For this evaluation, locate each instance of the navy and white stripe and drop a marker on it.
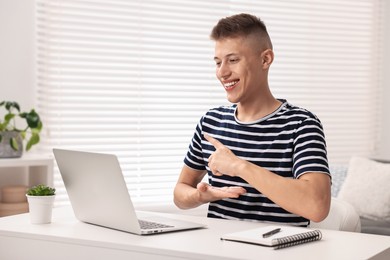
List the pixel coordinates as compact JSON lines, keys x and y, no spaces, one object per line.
{"x":289,"y":142}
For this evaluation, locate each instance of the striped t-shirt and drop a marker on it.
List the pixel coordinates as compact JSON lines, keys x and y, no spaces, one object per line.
{"x":289,"y":142}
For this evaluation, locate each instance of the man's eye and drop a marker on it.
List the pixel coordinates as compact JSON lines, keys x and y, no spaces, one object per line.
{"x":233,"y":60}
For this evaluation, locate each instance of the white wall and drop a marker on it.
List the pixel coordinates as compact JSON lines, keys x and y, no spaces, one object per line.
{"x":17,"y":52}
{"x":384,"y":148}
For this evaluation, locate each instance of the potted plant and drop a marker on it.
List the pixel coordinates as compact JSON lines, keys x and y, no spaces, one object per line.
{"x":40,"y":202}
{"x":12,"y":136}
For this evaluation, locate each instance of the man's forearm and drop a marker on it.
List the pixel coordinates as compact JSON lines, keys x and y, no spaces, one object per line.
{"x":186,"y":197}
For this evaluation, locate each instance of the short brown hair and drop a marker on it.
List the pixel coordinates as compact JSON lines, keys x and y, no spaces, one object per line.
{"x":241,"y":25}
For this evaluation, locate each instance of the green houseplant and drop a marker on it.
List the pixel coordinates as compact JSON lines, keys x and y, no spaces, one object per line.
{"x":40,"y":203}
{"x":41,"y":190}
{"x":12,"y":135}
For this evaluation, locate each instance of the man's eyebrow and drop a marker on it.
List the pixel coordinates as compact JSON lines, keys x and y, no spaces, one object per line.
{"x":227,"y":56}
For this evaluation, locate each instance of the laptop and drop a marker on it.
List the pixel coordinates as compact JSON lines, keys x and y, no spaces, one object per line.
{"x":98,"y":194}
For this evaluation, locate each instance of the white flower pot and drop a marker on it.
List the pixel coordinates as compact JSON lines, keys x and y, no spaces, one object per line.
{"x":40,"y":208}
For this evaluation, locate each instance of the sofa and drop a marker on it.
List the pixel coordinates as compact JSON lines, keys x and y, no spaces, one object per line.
{"x":365,"y":184}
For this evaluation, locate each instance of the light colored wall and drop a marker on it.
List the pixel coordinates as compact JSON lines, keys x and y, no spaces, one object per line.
{"x":17,"y":52}
{"x":384,"y":148}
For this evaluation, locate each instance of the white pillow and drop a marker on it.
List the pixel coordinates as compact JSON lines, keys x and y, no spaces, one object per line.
{"x":367,"y":188}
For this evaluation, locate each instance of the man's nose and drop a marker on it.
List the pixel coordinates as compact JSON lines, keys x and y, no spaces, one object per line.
{"x":223,"y":71}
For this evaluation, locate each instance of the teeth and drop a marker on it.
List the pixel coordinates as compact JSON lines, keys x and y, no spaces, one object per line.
{"x":228,"y":85}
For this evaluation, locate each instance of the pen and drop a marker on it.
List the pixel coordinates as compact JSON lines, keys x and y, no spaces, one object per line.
{"x":270,"y":233}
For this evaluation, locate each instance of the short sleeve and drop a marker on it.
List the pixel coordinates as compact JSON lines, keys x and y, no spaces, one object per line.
{"x":194,"y":158}
{"x":310,"y":148}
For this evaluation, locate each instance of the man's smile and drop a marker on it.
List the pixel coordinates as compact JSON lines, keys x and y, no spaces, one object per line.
{"x":230,"y":85}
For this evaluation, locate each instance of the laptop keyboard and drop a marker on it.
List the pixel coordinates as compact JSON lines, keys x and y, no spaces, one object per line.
{"x":152,"y":225}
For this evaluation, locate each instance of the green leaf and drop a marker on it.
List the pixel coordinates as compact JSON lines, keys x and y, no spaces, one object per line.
{"x":38,"y":129}
{"x":35,"y":131}
{"x":32,"y":119}
{"x":33,"y":140}
{"x":14,"y":144}
{"x":8,"y":117}
{"x":40,"y":125}
{"x":9,"y":105}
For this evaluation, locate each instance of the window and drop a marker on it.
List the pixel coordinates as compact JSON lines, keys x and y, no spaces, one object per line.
{"x":133,"y":78}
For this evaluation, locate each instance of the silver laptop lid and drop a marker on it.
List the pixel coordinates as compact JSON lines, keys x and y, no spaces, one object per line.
{"x":98,"y":193}
{"x":97,"y":189}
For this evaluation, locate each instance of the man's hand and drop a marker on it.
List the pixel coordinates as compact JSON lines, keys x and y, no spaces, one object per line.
{"x":223,"y":160}
{"x":191,"y":192}
{"x":209,"y":193}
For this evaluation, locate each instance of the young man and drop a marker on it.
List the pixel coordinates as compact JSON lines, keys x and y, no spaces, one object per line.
{"x":265,"y":158}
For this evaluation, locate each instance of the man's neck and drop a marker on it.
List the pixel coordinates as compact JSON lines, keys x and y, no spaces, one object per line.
{"x":255,"y":111}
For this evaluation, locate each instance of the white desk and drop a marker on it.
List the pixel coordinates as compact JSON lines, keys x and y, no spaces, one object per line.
{"x":67,"y":238}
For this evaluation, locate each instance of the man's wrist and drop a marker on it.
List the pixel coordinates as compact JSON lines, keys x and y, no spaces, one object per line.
{"x":199,"y":198}
{"x":240,"y":167}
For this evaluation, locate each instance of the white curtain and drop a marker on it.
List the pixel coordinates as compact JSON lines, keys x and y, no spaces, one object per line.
{"x":133,"y":78}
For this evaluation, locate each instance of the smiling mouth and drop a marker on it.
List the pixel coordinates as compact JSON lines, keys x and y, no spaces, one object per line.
{"x":230,"y":85}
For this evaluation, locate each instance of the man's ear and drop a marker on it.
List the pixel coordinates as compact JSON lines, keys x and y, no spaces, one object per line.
{"x":267,"y":57}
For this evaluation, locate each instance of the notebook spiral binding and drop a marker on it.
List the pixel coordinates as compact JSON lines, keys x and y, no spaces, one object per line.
{"x":297,"y":239}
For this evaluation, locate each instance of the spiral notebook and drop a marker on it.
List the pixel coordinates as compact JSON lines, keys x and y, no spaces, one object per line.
{"x":285,"y":237}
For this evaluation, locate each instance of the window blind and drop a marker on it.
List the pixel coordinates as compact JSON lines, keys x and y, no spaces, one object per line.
{"x":133,"y":78}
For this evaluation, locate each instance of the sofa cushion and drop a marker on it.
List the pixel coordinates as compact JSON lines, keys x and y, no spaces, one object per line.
{"x":338,"y":172}
{"x":342,"y":216}
{"x":375,"y":226}
{"x":366,"y":187}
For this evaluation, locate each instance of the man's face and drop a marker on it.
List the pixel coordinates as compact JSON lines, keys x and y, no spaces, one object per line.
{"x":239,"y":68}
